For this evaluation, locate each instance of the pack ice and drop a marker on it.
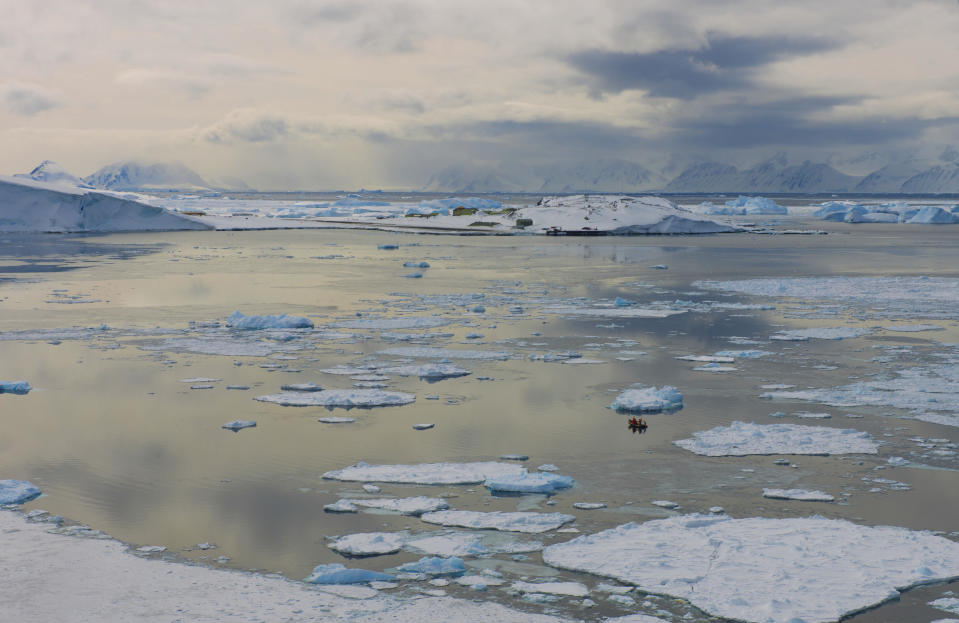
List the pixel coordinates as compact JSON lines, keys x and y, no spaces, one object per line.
{"x":762,"y":570}
{"x":28,"y":205}
{"x":237,"y":320}
{"x":746,"y":438}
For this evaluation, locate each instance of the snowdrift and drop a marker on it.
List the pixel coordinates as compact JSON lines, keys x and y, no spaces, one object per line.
{"x":32,"y":206}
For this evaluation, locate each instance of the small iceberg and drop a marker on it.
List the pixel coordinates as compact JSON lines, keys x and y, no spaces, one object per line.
{"x":641,"y":399}
{"x":414,"y":506}
{"x":15,"y":387}
{"x":336,"y":573}
{"x":527,"y":522}
{"x":432,"y":371}
{"x":536,"y":482}
{"x":798,"y":494}
{"x":368,"y":544}
{"x":238,"y":425}
{"x":301,"y":387}
{"x":434,"y":565}
{"x":237,"y":320}
{"x":17,"y":491}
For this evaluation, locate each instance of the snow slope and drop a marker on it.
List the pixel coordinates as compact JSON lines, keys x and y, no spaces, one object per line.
{"x":136,"y":176}
{"x":50,"y":171}
{"x":27,"y":205}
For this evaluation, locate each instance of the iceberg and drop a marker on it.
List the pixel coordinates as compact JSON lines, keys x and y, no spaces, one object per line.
{"x":536,"y":482}
{"x":744,"y":439}
{"x":17,"y":491}
{"x":426,"y":473}
{"x":527,"y":522}
{"x":238,"y":425}
{"x":368,"y":544}
{"x":346,"y":398}
{"x":15,"y":387}
{"x":435,"y":565}
{"x":336,"y":573}
{"x":27,"y":205}
{"x":239,"y":321}
{"x":762,"y":570}
{"x":649,"y":400}
{"x":932,"y":215}
{"x":802,"y":495}
{"x":754,"y":205}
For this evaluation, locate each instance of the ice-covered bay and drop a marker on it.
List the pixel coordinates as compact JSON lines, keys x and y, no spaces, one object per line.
{"x":761,"y":570}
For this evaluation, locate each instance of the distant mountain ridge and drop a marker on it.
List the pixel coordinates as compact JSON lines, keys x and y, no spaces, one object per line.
{"x":136,"y":176}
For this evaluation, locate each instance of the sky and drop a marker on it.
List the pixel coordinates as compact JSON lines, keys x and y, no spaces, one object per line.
{"x":297,"y":94}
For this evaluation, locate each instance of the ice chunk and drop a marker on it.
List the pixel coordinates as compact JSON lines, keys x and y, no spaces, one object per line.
{"x":567,"y":589}
{"x":426,"y":473}
{"x":754,"y":205}
{"x":764,"y":570}
{"x":14,"y":387}
{"x":743,"y":439}
{"x":404,"y":506}
{"x":237,"y":425}
{"x":434,"y":565}
{"x":451,"y":544}
{"x":589,"y":506}
{"x":336,"y":420}
{"x":368,"y":544}
{"x":239,"y":321}
{"x":949,"y":604}
{"x":416,"y":264}
{"x":432,"y":371}
{"x":151,"y":549}
{"x":820,"y":333}
{"x":527,"y":522}
{"x":17,"y":491}
{"x":707,"y":358}
{"x":536,"y":482}
{"x":514,"y":457}
{"x":664,"y":504}
{"x":933,"y":215}
{"x":339,"y":398}
{"x":649,"y":399}
{"x":341,"y":506}
{"x":798,"y":494}
{"x":336,"y":573}
{"x":301,"y":387}
{"x":743,"y":354}
{"x":425,"y":352}
{"x":424,"y":426}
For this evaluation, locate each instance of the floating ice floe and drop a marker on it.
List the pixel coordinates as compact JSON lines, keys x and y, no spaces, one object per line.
{"x":913,"y":328}
{"x":434,"y":371}
{"x":423,"y":426}
{"x":368,"y":544}
{"x":615,"y":312}
{"x":589,"y":506}
{"x":707,"y":358}
{"x":514,"y":457}
{"x":219,"y":345}
{"x":819,"y":333}
{"x":336,"y":573}
{"x":237,"y":320}
{"x":435,"y":565}
{"x":531,"y":523}
{"x":565,"y":589}
{"x":339,"y":398}
{"x":764,"y":570}
{"x":426,"y":473}
{"x":404,"y":506}
{"x":743,"y":439}
{"x":301,"y":387}
{"x":15,"y":387}
{"x":425,"y":352}
{"x":336,"y":420}
{"x":536,"y":482}
{"x":17,"y":491}
{"x":715,"y":367}
{"x":665,"y":504}
{"x":742,"y":354}
{"x":948,"y":604}
{"x":389,"y":324}
{"x":450,"y":544}
{"x":238,"y":425}
{"x":641,"y":399}
{"x":802,"y":495}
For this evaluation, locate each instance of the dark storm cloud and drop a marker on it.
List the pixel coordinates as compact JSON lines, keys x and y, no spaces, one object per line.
{"x":724,"y":63}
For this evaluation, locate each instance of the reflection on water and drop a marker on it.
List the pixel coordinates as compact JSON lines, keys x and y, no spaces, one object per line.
{"x":117,"y":440}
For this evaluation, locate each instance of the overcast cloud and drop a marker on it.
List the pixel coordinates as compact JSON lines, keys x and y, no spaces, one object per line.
{"x":313,"y":94}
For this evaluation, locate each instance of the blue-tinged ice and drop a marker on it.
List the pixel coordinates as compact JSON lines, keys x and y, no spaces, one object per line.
{"x":933,"y":215}
{"x":239,"y":321}
{"x":434,"y":565}
{"x":14,"y":387}
{"x":238,"y":425}
{"x":649,"y":399}
{"x":17,"y":491}
{"x":754,"y":205}
{"x":536,"y":482}
{"x":336,"y":573}
{"x":416,"y":264}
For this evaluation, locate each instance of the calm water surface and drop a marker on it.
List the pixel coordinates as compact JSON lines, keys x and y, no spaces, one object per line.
{"x":118,"y":442}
